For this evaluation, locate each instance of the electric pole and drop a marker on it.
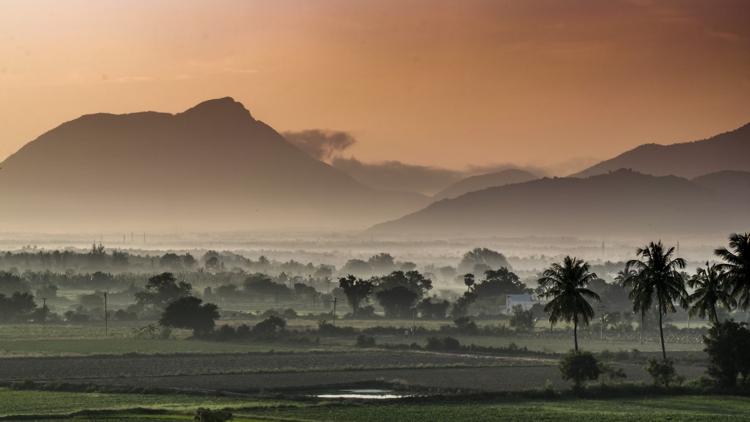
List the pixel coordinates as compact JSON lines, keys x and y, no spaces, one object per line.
{"x":106,"y":315}
{"x":334,"y":309}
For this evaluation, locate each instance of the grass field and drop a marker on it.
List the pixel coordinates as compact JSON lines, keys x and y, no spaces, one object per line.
{"x":111,"y":407}
{"x":686,"y":408}
{"x":85,"y":339}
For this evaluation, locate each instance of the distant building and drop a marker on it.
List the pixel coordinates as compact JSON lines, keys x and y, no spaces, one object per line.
{"x":524,"y":301}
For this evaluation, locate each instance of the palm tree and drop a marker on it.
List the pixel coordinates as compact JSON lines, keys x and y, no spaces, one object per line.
{"x":710,"y":290}
{"x":566,"y":285}
{"x":469,"y":281}
{"x":640,"y":294}
{"x":657,"y":274}
{"x":737,"y":267}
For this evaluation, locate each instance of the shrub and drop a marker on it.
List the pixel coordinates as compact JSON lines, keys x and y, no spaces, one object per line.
{"x":270,"y":327}
{"x":728,"y":348}
{"x":662,"y":371}
{"x":443,"y":343}
{"x":208,"y":415}
{"x":466,"y":325}
{"x":365,"y":341}
{"x":579,"y":367}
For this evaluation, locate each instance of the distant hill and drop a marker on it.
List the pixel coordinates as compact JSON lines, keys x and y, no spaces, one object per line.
{"x":213,"y":166}
{"x":484,"y":181}
{"x":731,"y":185}
{"x":621,"y":203}
{"x":727,"y":151}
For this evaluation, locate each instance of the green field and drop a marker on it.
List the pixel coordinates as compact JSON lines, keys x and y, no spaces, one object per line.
{"x":40,"y":405}
{"x":82,"y":339}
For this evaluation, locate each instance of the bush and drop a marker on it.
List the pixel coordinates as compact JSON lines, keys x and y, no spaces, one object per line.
{"x":579,"y":367}
{"x":662,"y":371}
{"x":208,"y":415}
{"x":365,"y":341}
{"x":443,"y":343}
{"x":728,"y":348}
{"x":466,"y":325}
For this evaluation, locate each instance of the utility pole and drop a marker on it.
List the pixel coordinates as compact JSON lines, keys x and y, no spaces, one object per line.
{"x":334,"y":309}
{"x":44,"y":312}
{"x":106,"y":315}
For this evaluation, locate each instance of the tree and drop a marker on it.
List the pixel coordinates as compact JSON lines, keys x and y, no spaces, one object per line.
{"x":381,"y":263}
{"x":433,"y":308}
{"x":479,"y":260}
{"x":469,"y":281}
{"x":163,"y":289}
{"x":356,"y":290}
{"x":566,"y":285}
{"x":269,"y":327}
{"x":641,"y":294}
{"x":498,"y":283}
{"x":191,"y":313}
{"x":397,"y":301}
{"x":398,"y":292}
{"x":709,"y":291}
{"x":727,"y":344}
{"x":16,"y":307}
{"x":737,"y":267}
{"x":522,"y":320}
{"x":658,"y":274}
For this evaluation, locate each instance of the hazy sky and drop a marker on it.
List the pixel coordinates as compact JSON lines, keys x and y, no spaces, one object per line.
{"x":449,"y":83}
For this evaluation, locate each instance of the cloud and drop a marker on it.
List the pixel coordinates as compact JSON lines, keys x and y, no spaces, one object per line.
{"x":321,"y":144}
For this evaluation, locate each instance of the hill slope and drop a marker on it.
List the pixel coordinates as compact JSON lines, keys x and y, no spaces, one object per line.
{"x":211,"y":167}
{"x":484,"y":181}
{"x":623,"y":203}
{"x":727,"y":151}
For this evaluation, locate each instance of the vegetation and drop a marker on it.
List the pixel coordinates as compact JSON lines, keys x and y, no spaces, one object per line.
{"x":566,"y":285}
{"x":657,"y":274}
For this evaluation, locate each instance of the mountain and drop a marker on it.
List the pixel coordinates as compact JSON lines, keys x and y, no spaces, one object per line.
{"x":621,"y":203}
{"x":731,"y":185}
{"x":213,"y":166}
{"x":484,"y":181}
{"x":727,"y":151}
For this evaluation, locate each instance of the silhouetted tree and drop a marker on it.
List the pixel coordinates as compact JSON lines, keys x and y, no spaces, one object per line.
{"x":737,"y":267}
{"x":190,"y":313}
{"x":163,"y":289}
{"x":478,"y":260}
{"x":356,"y":290}
{"x":566,"y":285}
{"x":709,"y":291}
{"x":657,"y":273}
{"x":727,"y":345}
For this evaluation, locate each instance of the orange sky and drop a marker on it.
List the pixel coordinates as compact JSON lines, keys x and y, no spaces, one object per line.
{"x":432,"y":82}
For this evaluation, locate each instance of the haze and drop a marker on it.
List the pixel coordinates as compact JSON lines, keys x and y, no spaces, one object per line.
{"x":436,"y":83}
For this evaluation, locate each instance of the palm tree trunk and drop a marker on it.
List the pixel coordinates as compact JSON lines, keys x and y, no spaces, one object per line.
{"x":575,"y":334}
{"x":643,"y":320}
{"x":661,"y":333}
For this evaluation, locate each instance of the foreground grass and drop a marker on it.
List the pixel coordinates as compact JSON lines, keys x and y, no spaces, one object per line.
{"x":40,"y":405}
{"x":682,"y":408}
{"x":23,"y":402}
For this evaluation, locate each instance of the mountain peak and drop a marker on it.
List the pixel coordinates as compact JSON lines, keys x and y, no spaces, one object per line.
{"x":225,"y":108}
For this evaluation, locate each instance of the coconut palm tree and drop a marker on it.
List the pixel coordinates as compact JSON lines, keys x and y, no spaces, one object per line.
{"x":710,"y":291}
{"x":657,"y":274}
{"x":566,"y":284}
{"x":737,"y":267}
{"x":640,"y":294}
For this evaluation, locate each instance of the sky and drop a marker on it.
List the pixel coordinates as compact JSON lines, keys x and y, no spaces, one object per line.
{"x":435,"y":83}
